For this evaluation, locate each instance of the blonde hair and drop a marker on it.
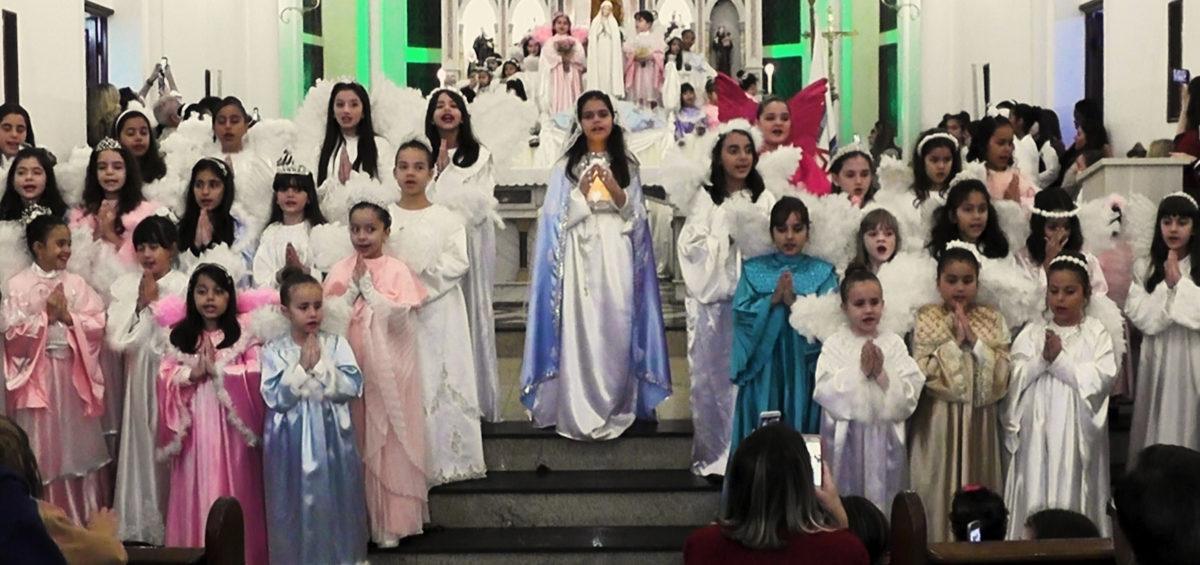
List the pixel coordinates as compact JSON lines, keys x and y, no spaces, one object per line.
{"x":103,"y":107}
{"x":1160,"y":148}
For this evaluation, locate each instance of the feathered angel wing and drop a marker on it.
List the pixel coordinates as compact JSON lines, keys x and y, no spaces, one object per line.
{"x":16,"y":258}
{"x":684,"y":169}
{"x":1138,"y":225}
{"x":817,"y":317}
{"x":733,"y":102}
{"x":191,"y":141}
{"x":330,"y":243}
{"x":1007,"y":287}
{"x":909,"y":282}
{"x":748,"y":227}
{"x":1099,"y":222}
{"x":398,"y":112}
{"x":337,"y":198}
{"x":807,"y":109}
{"x":1013,"y":222}
{"x":1110,"y":315}
{"x":502,"y":123}
{"x":777,"y":168}
{"x":269,"y":138}
{"x":310,"y":120}
{"x":71,"y":175}
{"x":834,"y":227}
{"x":894,"y":176}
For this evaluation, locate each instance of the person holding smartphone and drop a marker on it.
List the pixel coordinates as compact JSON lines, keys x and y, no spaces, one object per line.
{"x":775,"y":514}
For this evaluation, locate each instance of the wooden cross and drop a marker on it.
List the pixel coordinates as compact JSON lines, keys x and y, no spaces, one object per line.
{"x":830,"y":36}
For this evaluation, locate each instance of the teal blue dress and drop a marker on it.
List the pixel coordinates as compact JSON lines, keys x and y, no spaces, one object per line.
{"x":773,"y":365}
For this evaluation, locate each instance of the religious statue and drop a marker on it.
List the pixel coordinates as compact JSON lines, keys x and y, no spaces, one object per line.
{"x":616,"y":8}
{"x":604,"y":56}
{"x":483,"y":46}
{"x":723,"y":50}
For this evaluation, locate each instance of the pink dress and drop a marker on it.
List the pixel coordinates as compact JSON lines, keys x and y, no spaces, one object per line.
{"x":562,"y":81}
{"x":211,"y":432}
{"x":389,"y":419}
{"x":644,"y":79}
{"x":56,"y":388}
{"x":104,"y":268}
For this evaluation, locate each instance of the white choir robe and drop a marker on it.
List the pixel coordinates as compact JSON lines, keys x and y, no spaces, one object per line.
{"x":385,"y":160}
{"x":433,"y":243}
{"x":141,"y":494}
{"x":710,"y":259}
{"x":271,"y":255}
{"x":862,"y":423}
{"x":471,"y":192}
{"x":1166,"y":406}
{"x":1056,"y":424}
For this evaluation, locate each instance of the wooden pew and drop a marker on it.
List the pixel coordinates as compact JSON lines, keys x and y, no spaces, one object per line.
{"x":224,"y":541}
{"x":910,"y":545}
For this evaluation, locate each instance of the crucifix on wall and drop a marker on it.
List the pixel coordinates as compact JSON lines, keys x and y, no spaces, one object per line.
{"x":830,"y":35}
{"x":617,"y":12}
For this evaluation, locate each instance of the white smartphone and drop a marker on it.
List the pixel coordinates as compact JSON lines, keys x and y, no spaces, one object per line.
{"x":813,"y":443}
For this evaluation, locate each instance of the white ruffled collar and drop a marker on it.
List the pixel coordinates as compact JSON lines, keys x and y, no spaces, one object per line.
{"x":44,"y":274}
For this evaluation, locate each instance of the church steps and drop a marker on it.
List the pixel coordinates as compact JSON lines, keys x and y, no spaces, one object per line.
{"x":517,"y":446}
{"x":565,"y":545}
{"x":576,"y":498}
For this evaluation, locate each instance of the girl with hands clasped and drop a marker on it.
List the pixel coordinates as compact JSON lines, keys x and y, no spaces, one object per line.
{"x":867,"y":386}
{"x":54,"y":329}
{"x":772,"y":364}
{"x":389,"y":420}
{"x":1057,"y":408}
{"x":210,"y":410}
{"x":962,"y":348}
{"x":1162,"y":304}
{"x":141,"y":480}
{"x":313,"y":474}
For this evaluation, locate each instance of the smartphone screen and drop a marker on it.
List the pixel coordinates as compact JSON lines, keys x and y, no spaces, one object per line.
{"x":813,"y":443}
{"x":1181,"y":76}
{"x":768,"y":417}
{"x":974,"y":531}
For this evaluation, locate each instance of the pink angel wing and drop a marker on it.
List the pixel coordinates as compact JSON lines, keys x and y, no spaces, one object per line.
{"x":732,"y":101}
{"x":807,"y":108}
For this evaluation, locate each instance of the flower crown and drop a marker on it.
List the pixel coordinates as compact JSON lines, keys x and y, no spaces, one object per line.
{"x":1182,"y":194}
{"x":107,"y":144}
{"x":287,"y":165}
{"x":960,"y":244}
{"x":937,"y":135}
{"x":1056,"y":214}
{"x":1069,"y":259}
{"x":33,"y":212}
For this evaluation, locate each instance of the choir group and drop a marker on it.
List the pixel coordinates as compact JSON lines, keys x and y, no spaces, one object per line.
{"x":316,"y":337}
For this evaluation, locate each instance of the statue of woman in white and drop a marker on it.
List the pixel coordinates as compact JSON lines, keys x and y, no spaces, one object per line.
{"x":604,"y":57}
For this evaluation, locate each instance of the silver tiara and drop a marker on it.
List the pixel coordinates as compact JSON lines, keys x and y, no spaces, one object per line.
{"x":937,"y":135}
{"x":287,"y":165}
{"x":960,"y":244}
{"x":1069,"y":259}
{"x":856,"y":146}
{"x":33,"y":212}
{"x":1182,"y":194}
{"x":107,"y":144}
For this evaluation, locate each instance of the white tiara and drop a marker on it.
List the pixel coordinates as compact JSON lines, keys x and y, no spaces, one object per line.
{"x":856,"y":146}
{"x":937,"y":135}
{"x":1182,"y":194}
{"x":1056,"y":214}
{"x":33,"y":212}
{"x":960,"y":244}
{"x":107,"y":144}
{"x":287,"y":165}
{"x":1069,"y":259}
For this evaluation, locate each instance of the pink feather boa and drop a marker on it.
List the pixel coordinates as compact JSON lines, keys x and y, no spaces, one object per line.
{"x":170,"y":310}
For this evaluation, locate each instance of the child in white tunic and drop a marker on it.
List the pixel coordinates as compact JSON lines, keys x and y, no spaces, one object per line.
{"x":432,"y":241}
{"x":1056,"y":432}
{"x":295,"y":210}
{"x":867,"y":385}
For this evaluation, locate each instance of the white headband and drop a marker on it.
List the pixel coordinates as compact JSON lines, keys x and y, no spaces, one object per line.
{"x":1069,"y":259}
{"x":937,"y":135}
{"x":1182,"y":194}
{"x":960,"y":244}
{"x":1056,"y":214}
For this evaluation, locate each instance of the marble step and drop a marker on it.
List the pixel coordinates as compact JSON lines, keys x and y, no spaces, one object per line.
{"x":576,"y":498}
{"x":521,"y":546}
{"x":518,"y":446}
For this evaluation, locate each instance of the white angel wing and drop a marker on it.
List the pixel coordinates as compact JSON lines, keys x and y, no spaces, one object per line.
{"x":894,"y":176}
{"x":1007,"y":287}
{"x":330,"y":243}
{"x":1100,"y":225}
{"x":748,"y":227}
{"x":397,"y":112}
{"x":1110,"y":315}
{"x":909,"y":282}
{"x":777,"y":167}
{"x":269,"y":138}
{"x":684,"y":171}
{"x":1138,"y":225}
{"x":834,"y":227}
{"x":337,"y":199}
{"x":502,"y":123}
{"x":310,"y":119}
{"x":1013,"y":221}
{"x":817,"y":317}
{"x":72,"y":174}
{"x":16,"y":258}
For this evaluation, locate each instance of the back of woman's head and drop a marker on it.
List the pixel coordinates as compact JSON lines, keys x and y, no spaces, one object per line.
{"x":1157,"y":506}
{"x":869,"y":525}
{"x":771,"y":492}
{"x":1054,"y":523}
{"x":17,"y":455}
{"x":975,"y":503}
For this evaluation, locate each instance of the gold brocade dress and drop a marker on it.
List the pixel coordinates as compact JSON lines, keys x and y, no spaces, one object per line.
{"x":955,"y":435}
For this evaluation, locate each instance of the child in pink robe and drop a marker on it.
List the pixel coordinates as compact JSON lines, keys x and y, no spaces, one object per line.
{"x":389,"y":420}
{"x":210,"y":412}
{"x":54,"y":326}
{"x":644,"y":63}
{"x":562,"y":64}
